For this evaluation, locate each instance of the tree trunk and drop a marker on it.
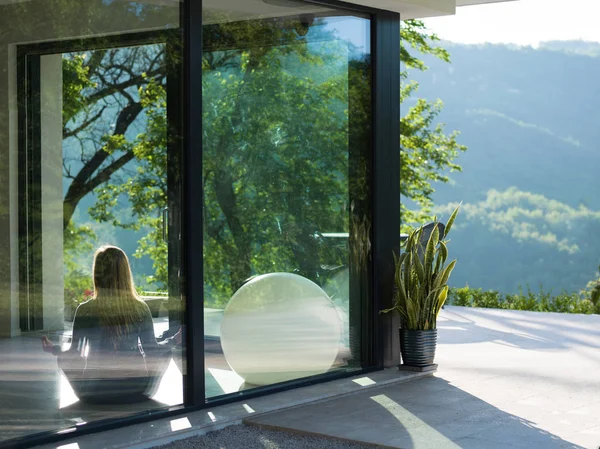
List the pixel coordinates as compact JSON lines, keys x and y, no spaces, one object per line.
{"x":240,"y":267}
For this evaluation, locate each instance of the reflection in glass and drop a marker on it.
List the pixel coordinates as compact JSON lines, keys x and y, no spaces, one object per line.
{"x":286,"y":101}
{"x":114,"y":356}
{"x":83,"y":163}
{"x":278,"y":327}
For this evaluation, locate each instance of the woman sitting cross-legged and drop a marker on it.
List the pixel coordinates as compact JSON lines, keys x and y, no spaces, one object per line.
{"x":114,"y":356}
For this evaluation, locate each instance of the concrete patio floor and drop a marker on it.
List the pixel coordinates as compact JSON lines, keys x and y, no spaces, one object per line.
{"x":506,"y":379}
{"x":187,"y":428}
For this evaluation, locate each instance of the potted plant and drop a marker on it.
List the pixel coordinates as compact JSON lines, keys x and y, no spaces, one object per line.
{"x":420,"y":291}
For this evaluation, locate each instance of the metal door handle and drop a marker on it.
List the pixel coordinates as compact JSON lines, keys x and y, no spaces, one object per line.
{"x":165,"y":215}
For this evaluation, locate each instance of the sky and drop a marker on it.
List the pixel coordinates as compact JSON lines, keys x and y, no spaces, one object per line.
{"x":522,"y":22}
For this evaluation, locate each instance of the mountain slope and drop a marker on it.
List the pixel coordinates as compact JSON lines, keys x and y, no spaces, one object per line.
{"x":531,"y":121}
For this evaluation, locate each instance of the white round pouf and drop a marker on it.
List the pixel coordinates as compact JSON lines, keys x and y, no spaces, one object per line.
{"x":279,"y":327}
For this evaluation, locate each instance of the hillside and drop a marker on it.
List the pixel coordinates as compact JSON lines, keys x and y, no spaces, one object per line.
{"x":531,"y":121}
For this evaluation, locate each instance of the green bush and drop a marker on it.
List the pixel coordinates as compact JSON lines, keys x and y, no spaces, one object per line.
{"x":537,"y":302}
{"x":78,"y":289}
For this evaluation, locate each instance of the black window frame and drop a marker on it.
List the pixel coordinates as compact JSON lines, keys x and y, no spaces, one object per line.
{"x":29,"y":151}
{"x":378,"y":331}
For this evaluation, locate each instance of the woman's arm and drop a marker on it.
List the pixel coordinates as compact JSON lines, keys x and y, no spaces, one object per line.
{"x":147,"y":336}
{"x":47,"y":345}
{"x":81,"y":321}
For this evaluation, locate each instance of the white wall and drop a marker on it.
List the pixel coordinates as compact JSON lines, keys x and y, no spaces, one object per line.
{"x":52,"y":195}
{"x":6,"y":256}
{"x":13,"y":192}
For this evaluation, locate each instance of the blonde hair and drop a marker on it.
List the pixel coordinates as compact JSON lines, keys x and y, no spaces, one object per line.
{"x":114,"y":292}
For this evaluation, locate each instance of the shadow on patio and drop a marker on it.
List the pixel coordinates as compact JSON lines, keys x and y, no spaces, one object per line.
{"x":506,"y":379}
{"x":423,"y":414}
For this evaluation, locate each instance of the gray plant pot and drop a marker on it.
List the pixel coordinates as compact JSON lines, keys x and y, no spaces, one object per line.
{"x":418,"y":347}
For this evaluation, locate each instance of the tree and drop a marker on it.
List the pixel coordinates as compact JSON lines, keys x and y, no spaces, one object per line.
{"x":113,"y":114}
{"x":276,"y":136}
{"x":427,"y":153}
{"x":540,"y":243}
{"x":89,"y":85}
{"x":275,"y":147}
{"x":106,"y":85}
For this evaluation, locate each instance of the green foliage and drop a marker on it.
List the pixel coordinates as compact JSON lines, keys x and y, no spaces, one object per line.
{"x":76,"y":78}
{"x":414,"y":34}
{"x":78,"y":288}
{"x":537,"y":302}
{"x":427,"y":153}
{"x":535,"y":239}
{"x":421,"y":279}
{"x":275,"y":148}
{"x":526,"y":216}
{"x":77,"y":241}
{"x":592,"y":292}
{"x":109,"y":96}
{"x":275,"y":137}
{"x":275,"y":157}
{"x":145,"y":190}
{"x":361,"y":239}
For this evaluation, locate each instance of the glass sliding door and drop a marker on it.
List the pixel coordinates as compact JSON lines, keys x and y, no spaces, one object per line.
{"x":90,"y":303}
{"x":286,"y":173}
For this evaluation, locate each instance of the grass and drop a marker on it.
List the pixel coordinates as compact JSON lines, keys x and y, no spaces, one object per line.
{"x":537,"y":302}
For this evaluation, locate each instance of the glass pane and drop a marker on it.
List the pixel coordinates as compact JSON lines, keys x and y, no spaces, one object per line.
{"x":286,"y":136}
{"x":89,"y":230}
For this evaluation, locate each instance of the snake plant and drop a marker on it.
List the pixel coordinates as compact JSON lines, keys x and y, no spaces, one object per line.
{"x":421,"y":278}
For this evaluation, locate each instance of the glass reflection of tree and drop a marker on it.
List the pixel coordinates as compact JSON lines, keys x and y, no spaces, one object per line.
{"x":276,"y":151}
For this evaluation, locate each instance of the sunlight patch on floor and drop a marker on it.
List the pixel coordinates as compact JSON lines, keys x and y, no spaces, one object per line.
{"x":170,"y":391}
{"x":180,"y":424}
{"x":413,"y":424}
{"x":228,"y":380}
{"x":67,"y":395}
{"x":364,"y":381}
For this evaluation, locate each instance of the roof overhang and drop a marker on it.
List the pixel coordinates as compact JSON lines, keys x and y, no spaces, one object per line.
{"x":417,"y":9}
{"x":231,"y":10}
{"x":408,"y":9}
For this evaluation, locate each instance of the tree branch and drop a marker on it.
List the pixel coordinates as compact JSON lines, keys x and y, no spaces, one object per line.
{"x":120,"y":87}
{"x":83,"y":183}
{"x":71,"y":132}
{"x":105,"y":174}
